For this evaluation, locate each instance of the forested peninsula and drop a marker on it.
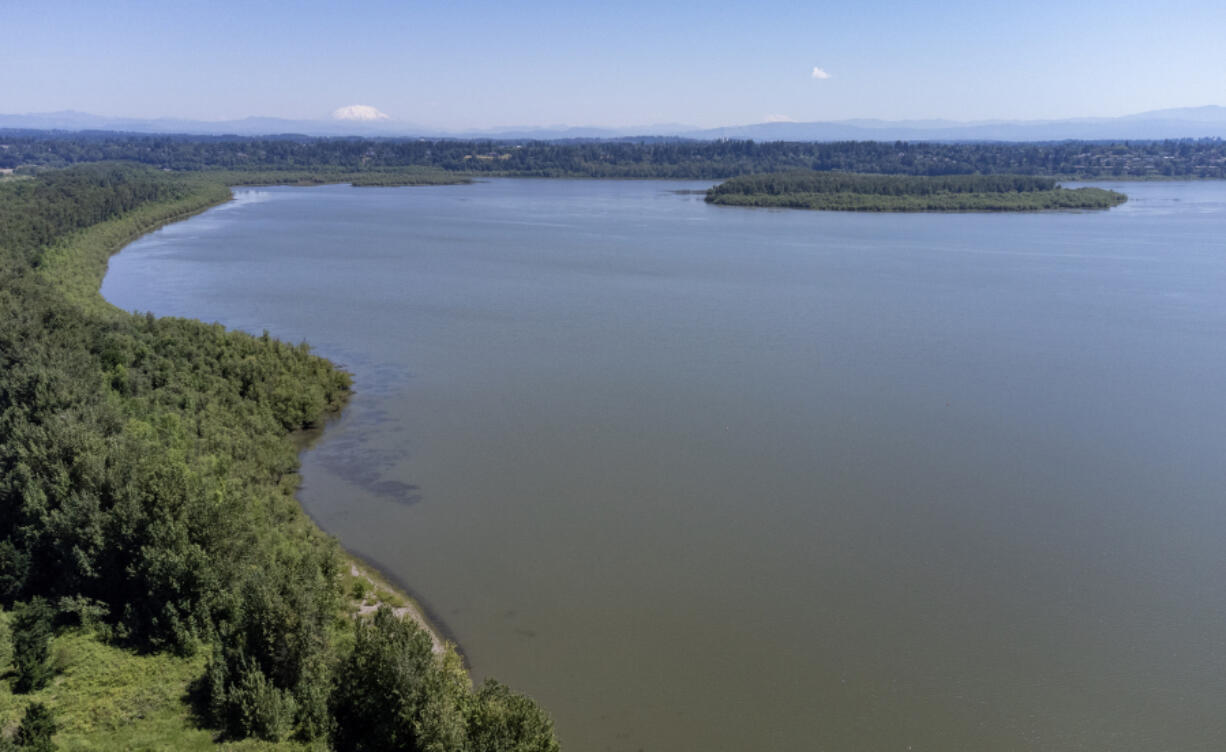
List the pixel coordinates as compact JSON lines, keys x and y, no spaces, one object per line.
{"x":838,"y":191}
{"x":161,"y":587}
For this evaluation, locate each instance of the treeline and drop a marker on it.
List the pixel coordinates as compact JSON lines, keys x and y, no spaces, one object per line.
{"x":808,"y":181}
{"x":807,"y":189}
{"x":1203,"y":158}
{"x":146,"y":494}
{"x":385,"y":177}
{"x":70,"y":201}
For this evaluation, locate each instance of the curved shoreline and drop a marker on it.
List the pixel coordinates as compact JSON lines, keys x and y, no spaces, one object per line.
{"x":151,"y":220}
{"x":379,"y":576}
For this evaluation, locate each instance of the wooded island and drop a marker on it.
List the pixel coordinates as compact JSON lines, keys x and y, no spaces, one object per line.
{"x":840,"y":191}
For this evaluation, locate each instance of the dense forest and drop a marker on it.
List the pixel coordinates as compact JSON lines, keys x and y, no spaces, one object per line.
{"x":807,"y":189}
{"x":1204,"y":158}
{"x":147,"y":509}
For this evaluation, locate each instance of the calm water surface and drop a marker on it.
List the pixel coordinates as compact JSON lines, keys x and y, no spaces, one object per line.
{"x":703,"y":478}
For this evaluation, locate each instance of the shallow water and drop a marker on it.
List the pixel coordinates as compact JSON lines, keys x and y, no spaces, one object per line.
{"x":703,"y":478}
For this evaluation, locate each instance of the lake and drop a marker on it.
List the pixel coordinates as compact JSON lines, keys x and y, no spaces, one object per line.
{"x":706,"y":478}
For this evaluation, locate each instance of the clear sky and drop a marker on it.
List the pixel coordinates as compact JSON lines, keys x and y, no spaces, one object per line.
{"x":461,"y":65}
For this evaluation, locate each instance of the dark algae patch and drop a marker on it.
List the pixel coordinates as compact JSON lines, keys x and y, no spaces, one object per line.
{"x":837,"y":191}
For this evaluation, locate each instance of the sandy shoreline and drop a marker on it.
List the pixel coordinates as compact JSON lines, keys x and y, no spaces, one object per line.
{"x":383,"y":592}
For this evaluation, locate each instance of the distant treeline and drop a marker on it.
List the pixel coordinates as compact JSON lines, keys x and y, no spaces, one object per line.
{"x":1204,"y":158}
{"x":147,"y":496}
{"x":386,"y":177}
{"x":806,"y":189}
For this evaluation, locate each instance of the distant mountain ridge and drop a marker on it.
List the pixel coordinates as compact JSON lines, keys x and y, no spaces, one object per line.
{"x":1183,"y":122}
{"x":71,"y":120}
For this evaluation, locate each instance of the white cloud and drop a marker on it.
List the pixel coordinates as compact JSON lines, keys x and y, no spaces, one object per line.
{"x":779,"y":119}
{"x":359,"y":112}
{"x":819,"y":74}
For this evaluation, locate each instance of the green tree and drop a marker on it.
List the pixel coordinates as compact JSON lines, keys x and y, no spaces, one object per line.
{"x":505,"y":721}
{"x":386,"y":693}
{"x":263,"y":711}
{"x":31,"y":634}
{"x":36,"y":729}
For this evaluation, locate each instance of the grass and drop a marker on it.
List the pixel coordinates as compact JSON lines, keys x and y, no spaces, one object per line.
{"x":109,"y":698}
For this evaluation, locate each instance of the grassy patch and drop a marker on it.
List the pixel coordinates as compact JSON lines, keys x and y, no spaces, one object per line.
{"x":110,"y":698}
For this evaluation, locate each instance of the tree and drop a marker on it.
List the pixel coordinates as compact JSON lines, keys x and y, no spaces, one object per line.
{"x":36,"y":729}
{"x":264,"y":711}
{"x":505,"y":721}
{"x":387,"y":695}
{"x":31,"y":633}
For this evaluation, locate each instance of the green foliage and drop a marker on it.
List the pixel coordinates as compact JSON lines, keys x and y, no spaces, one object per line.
{"x":504,"y":721}
{"x":806,"y":189}
{"x":386,"y":177}
{"x":36,"y":729}
{"x":146,"y":488}
{"x":262,"y":710}
{"x":111,"y":698}
{"x":145,"y":472}
{"x":76,"y":261}
{"x":275,"y":661}
{"x":381,"y":695}
{"x":300,"y":159}
{"x":31,"y":630}
{"x":809,"y":181}
{"x":394,"y":693}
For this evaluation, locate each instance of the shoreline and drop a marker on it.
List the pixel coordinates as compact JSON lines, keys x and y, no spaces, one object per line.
{"x":394,"y":592}
{"x":440,"y":637}
{"x":404,"y":601}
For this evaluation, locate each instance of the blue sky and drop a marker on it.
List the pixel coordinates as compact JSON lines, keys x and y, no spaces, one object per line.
{"x":486,"y":64}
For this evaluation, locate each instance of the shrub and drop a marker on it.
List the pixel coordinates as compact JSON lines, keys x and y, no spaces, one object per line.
{"x":505,"y":721}
{"x":260,"y":709}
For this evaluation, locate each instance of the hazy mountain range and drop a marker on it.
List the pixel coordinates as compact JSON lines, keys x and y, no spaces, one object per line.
{"x":1184,"y":122}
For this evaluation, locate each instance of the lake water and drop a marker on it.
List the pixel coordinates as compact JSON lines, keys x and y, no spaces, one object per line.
{"x":705,"y":478}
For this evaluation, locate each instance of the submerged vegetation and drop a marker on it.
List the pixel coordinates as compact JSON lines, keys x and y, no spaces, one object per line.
{"x":163,"y":588}
{"x":806,"y":189}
